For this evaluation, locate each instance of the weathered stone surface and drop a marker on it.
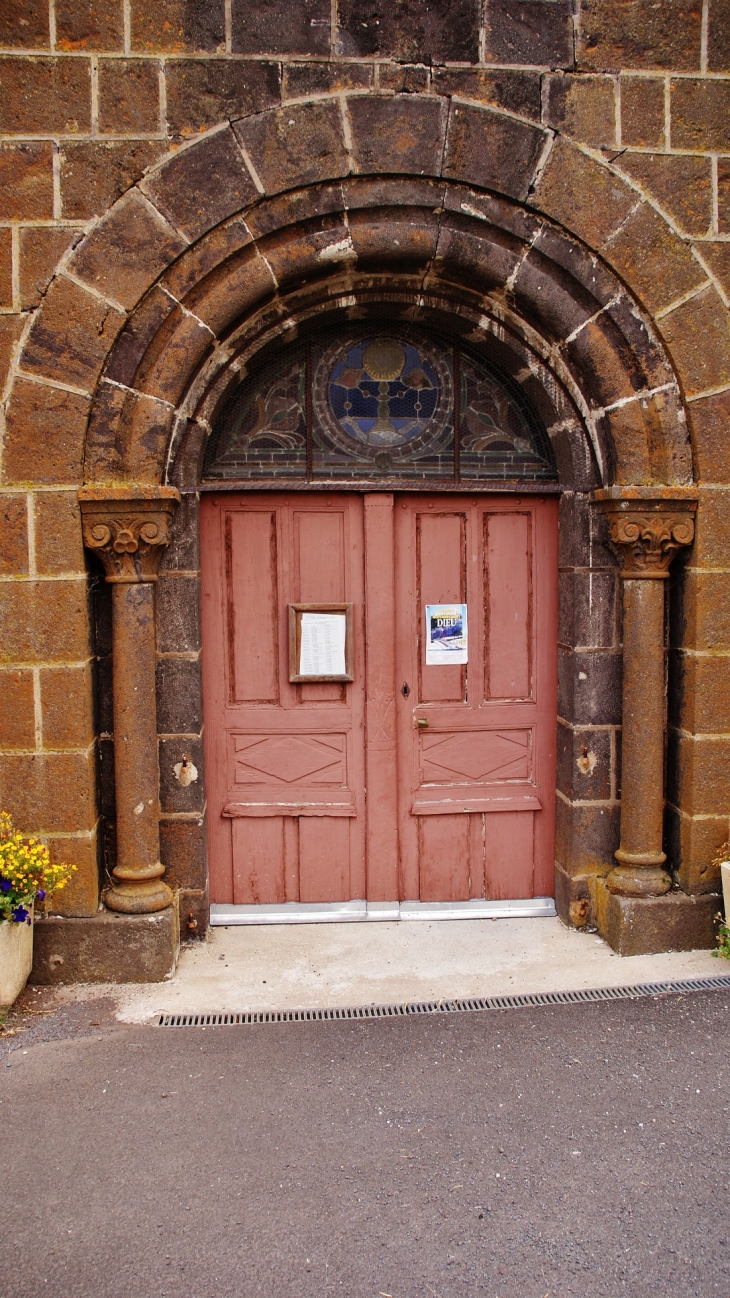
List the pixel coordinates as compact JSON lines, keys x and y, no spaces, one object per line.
{"x":129,"y":96}
{"x":718,"y":38}
{"x":297,"y":145}
{"x":24,"y":25}
{"x":700,"y":110}
{"x":701,"y":701}
{"x":13,"y":535}
{"x":401,"y":134}
{"x":127,"y":436}
{"x":324,"y":243}
{"x":26,"y":180}
{"x":530,"y":31}
{"x":555,"y":302}
{"x":175,"y":796}
{"x":589,"y":687}
{"x":700,"y":610}
{"x":44,"y":621}
{"x":195,"y":914}
{"x":44,"y":434}
{"x":225,"y":294}
{"x":649,"y":438}
{"x":637,"y":35}
{"x":95,"y":174}
{"x":712,"y":530}
{"x":67,"y":713}
{"x":646,"y":926}
{"x":482,"y":261}
{"x":682,"y":185}
{"x":572,"y":897}
{"x":717,"y":257}
{"x":395,"y":235}
{"x":582,"y":195}
{"x":587,"y":609}
{"x":137,"y":335}
{"x":183,"y":854}
{"x":489,"y":149}
{"x":89,"y":25}
{"x":49,"y":791}
{"x":202,"y":185}
{"x":6,"y":268}
{"x":586,"y":836}
{"x":583,"y":107}
{"x":176,"y":26}
{"x":45,"y":96}
{"x":11,"y":327}
{"x":445,"y":31}
{"x":584,"y":764}
{"x":178,"y":613}
{"x":692,"y":843}
{"x":80,"y":897}
{"x":280,"y":27}
{"x":179,"y":701}
{"x":698,"y":336}
{"x":654,"y":261}
{"x":513,"y":88}
{"x":698,"y":773}
{"x":642,"y":112}
{"x":202,"y":92}
{"x":17,"y":714}
{"x":58,"y":545}
{"x":183,"y":552}
{"x":106,"y":948}
{"x":709,"y":420}
{"x":301,"y":79}
{"x":173,"y":357}
{"x":723,"y":195}
{"x":191,"y":268}
{"x":404,"y":78}
{"x":41,"y":248}
{"x":126,"y":251}
{"x":71,"y":335}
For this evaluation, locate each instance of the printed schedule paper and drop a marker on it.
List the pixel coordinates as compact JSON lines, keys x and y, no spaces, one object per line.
{"x":447,"y":638}
{"x":322,"y":650}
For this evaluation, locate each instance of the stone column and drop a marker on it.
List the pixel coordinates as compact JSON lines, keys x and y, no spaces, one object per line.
{"x":647,"y":526}
{"x":128,"y":528}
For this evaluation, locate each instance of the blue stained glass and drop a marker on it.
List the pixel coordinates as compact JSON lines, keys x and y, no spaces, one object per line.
{"x":383,"y":392}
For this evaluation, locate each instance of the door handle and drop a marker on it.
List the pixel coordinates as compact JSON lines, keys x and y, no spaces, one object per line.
{"x":422,"y":723}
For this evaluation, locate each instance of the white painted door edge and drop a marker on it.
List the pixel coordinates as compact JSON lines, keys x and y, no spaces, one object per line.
{"x":349,"y":912}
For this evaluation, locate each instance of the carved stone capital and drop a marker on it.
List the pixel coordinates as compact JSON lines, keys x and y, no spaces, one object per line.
{"x":647,"y":532}
{"x":128,"y":529}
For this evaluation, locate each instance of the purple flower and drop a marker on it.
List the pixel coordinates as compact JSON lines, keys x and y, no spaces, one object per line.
{"x":21,"y":915}
{"x":41,"y":894}
{"x":5,"y":885}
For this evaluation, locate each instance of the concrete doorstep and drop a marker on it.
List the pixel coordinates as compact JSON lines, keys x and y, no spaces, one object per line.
{"x":318,"y":966}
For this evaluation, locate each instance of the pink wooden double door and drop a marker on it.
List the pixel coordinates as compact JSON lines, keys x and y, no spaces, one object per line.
{"x":414,"y":781}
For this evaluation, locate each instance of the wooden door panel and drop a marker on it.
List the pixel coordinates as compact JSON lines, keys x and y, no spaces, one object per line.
{"x":484,"y":750}
{"x":252,"y":601}
{"x":280,"y":753}
{"x":259,"y":873}
{"x":508,"y":582}
{"x":509,"y":853}
{"x":444,"y":857}
{"x":441,"y":579}
{"x":324,"y":859}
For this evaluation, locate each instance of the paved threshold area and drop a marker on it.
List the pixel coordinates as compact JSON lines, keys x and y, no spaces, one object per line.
{"x":529,"y":1153}
{"x":324,"y":965}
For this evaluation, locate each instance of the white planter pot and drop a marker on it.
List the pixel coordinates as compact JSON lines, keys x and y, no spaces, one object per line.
{"x":725,"y":871}
{"x":16,"y":959}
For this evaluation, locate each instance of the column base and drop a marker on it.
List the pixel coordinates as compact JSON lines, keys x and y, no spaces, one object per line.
{"x":137,"y":896}
{"x":108,"y":948}
{"x":649,"y":925}
{"x":638,"y":880}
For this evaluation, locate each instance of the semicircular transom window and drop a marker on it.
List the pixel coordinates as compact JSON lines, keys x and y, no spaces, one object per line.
{"x":378,"y":404}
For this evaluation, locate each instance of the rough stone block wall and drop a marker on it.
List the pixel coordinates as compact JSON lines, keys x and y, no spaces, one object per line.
{"x":92,"y":95}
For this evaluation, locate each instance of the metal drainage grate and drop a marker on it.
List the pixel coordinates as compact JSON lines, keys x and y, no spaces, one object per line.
{"x":445,"y":1006}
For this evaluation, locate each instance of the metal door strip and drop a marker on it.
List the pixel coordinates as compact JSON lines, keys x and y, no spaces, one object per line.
{"x":349,"y":912}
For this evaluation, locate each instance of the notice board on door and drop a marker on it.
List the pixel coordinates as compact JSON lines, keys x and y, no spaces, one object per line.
{"x":320,"y":642}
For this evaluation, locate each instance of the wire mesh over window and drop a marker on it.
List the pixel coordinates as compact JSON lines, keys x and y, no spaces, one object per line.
{"x":378,"y":404}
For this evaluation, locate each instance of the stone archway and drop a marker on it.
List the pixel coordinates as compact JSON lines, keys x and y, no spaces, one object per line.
{"x":180,"y":283}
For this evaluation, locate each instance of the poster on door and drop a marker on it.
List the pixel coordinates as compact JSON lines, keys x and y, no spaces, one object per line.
{"x":447,"y":637}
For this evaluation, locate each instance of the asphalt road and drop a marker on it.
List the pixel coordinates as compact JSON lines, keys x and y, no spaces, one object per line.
{"x":563,"y":1150}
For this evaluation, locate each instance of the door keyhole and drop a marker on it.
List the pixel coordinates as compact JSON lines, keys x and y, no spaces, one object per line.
{"x":405,"y":690}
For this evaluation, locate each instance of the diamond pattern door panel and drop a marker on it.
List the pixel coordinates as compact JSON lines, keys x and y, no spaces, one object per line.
{"x":476,"y":757}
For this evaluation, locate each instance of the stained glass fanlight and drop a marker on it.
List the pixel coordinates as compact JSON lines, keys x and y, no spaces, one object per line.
{"x":379,"y":404}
